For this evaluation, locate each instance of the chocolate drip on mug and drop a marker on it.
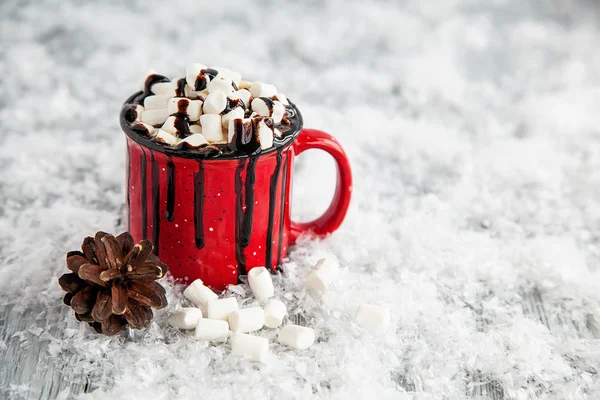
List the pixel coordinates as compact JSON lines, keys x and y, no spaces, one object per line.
{"x":128,"y":180}
{"x":239,"y":216}
{"x":143,"y":193}
{"x":272,"y":194}
{"x":170,"y":189}
{"x":282,"y":209}
{"x":155,"y":203}
{"x":199,"y":205}
{"x":247,"y":224}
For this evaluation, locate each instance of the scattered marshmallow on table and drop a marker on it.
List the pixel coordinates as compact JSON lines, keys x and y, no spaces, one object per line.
{"x":261,"y":283}
{"x":212,"y":129}
{"x":274,"y":313}
{"x":296,"y":336}
{"x":373,"y":317}
{"x":155,"y":117}
{"x":323,"y":274}
{"x":222,"y":308}
{"x":247,"y":319}
{"x":255,"y":348}
{"x":212,"y":330}
{"x":199,"y":294}
{"x":185,"y":318}
{"x":261,"y":89}
{"x":215,"y":102}
{"x":165,"y":137}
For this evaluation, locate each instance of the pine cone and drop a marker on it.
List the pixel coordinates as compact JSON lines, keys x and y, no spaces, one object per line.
{"x":112,"y":283}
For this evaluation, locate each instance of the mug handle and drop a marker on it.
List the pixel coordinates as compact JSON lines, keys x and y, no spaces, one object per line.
{"x":333,"y":217}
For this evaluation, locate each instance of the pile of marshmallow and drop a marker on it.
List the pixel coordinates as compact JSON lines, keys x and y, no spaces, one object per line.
{"x":218,"y":105}
{"x":224,"y":318}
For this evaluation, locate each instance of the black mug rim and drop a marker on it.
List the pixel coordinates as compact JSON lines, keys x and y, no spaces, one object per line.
{"x":278,"y":144}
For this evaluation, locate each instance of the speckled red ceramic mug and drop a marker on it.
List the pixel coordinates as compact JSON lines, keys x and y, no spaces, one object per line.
{"x":216,"y":218}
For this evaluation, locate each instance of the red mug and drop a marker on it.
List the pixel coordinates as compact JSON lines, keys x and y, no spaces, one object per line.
{"x":215,"y":219}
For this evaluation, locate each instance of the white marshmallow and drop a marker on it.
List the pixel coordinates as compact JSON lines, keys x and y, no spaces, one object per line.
{"x":247,"y":319}
{"x":140,"y":126}
{"x":277,"y":132}
{"x":165,"y":137}
{"x":231,"y":75}
{"x":274,"y":312}
{"x":255,"y":348}
{"x":261,"y":89}
{"x":261,"y":283}
{"x":215,"y":102}
{"x":237,"y":112}
{"x":246,"y":125}
{"x":173,"y":89}
{"x":244,"y":84}
{"x":268,"y":108}
{"x":220,"y":83}
{"x":195,"y":128}
{"x":264,"y":133}
{"x":161,"y":88}
{"x":199,"y":294}
{"x":185,"y":318}
{"x":155,"y":117}
{"x":194,"y":140}
{"x":169,"y":125}
{"x":191,"y":73}
{"x":296,"y":336}
{"x":138,"y":109}
{"x":156,"y":102}
{"x":191,"y":107}
{"x":211,"y":127}
{"x":242,"y":94}
{"x":323,"y":274}
{"x":222,"y":308}
{"x":373,"y":317}
{"x":212,"y":330}
{"x":282,"y":98}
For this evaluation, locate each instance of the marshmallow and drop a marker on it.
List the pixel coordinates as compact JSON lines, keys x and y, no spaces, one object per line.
{"x":134,"y":113}
{"x":281,"y":98}
{"x":296,"y":336}
{"x":220,"y":83}
{"x":181,"y":105}
{"x":222,"y":308}
{"x":212,"y":330}
{"x":268,"y":108}
{"x":193,"y":141}
{"x":244,"y":84}
{"x":237,"y":112}
{"x":323,"y":274}
{"x":156,"y":102}
{"x":373,"y":317}
{"x":235,"y":77}
{"x":260,"y":282}
{"x":211,"y":127}
{"x":215,"y":102}
{"x":195,"y":128}
{"x":199,"y":294}
{"x":263,"y":129}
{"x":274,"y":312}
{"x":241,"y":127}
{"x":165,"y":137}
{"x":143,"y":129}
{"x":155,"y":117}
{"x":185,"y":318}
{"x":255,"y":348}
{"x":170,"y":125}
{"x":277,"y":132}
{"x":247,"y":320}
{"x":242,"y":94}
{"x":197,"y":76}
{"x":161,"y":88}
{"x":260,"y":89}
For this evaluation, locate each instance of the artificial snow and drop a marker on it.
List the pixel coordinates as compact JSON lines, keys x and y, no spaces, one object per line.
{"x":474,"y":135}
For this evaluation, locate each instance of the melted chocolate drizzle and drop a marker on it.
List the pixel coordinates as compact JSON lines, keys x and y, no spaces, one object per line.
{"x":272,"y":193}
{"x":144,"y":193}
{"x":239,"y":216}
{"x":282,"y":209}
{"x":180,"y":90}
{"x":150,"y":80}
{"x":155,"y":203}
{"x":249,"y":194}
{"x":127,"y":179}
{"x":199,"y":205}
{"x":170,"y":189}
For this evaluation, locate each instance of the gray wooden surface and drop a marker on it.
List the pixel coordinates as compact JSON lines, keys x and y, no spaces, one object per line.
{"x":28,"y":371}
